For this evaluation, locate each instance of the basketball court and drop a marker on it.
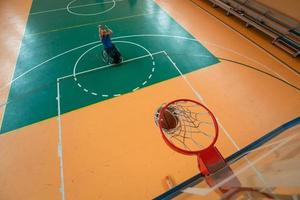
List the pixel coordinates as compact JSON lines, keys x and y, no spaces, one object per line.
{"x":75,"y":127}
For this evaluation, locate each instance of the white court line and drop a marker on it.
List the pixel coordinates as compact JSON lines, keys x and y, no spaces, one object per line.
{"x":59,"y":146}
{"x":95,"y":94}
{"x":135,"y":89}
{"x":198,"y":95}
{"x":79,"y":6}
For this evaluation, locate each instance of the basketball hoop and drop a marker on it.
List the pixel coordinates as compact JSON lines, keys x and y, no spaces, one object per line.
{"x":190,"y":128}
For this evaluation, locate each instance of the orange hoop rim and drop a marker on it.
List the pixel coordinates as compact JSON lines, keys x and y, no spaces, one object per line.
{"x":180,"y":150}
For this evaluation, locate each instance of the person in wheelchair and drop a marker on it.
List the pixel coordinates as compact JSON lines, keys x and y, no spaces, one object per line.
{"x":112,"y":52}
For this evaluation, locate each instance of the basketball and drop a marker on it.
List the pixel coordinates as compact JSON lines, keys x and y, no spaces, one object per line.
{"x":169,"y":121}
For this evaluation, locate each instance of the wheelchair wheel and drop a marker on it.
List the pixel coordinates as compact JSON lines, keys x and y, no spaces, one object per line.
{"x":106,"y":58}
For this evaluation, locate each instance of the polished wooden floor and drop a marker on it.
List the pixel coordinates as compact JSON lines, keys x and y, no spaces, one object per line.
{"x":247,"y":103}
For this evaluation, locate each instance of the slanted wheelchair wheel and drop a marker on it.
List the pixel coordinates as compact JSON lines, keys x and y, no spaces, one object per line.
{"x":106,"y":58}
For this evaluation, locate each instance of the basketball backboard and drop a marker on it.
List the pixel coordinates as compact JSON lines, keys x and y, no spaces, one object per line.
{"x":268,"y":168}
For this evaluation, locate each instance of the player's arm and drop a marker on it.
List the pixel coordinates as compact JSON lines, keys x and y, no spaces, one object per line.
{"x":101,"y":33}
{"x":109,"y":32}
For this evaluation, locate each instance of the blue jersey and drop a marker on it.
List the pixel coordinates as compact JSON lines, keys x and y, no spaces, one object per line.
{"x":106,"y":41}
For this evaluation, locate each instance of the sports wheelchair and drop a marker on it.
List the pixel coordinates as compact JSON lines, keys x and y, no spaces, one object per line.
{"x":112,"y":55}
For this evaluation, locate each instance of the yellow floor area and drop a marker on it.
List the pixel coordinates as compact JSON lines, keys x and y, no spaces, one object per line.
{"x":111,"y":160}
